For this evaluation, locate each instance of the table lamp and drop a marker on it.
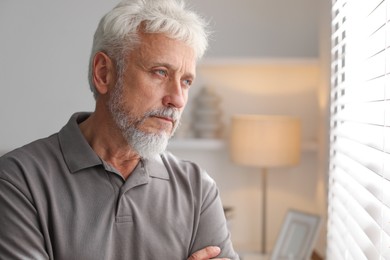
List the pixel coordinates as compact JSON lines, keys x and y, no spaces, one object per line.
{"x":265,"y":141}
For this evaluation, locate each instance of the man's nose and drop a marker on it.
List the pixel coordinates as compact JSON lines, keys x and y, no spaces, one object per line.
{"x":176,"y":95}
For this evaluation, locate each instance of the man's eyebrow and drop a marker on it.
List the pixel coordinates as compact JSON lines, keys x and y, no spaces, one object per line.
{"x":164,"y":64}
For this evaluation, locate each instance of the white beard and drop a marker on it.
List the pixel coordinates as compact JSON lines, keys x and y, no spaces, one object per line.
{"x":146,"y":145}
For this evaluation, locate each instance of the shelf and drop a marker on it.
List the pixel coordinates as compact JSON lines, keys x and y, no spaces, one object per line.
{"x":197,"y":144}
{"x":219,"y":144}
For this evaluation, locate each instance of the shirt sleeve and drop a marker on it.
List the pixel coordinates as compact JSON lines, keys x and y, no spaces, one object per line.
{"x":212,"y":229}
{"x":20,"y":237}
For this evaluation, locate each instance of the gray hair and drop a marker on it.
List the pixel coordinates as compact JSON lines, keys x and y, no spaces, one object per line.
{"x":117,"y":32}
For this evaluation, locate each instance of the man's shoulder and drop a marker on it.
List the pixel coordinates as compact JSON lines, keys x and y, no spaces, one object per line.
{"x":184,"y":166}
{"x":29,"y":156}
{"x":35,"y":147}
{"x":173,"y":159}
{"x":187,"y":169}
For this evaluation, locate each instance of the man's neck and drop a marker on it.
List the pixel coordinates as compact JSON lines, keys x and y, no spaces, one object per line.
{"x":109,"y":144}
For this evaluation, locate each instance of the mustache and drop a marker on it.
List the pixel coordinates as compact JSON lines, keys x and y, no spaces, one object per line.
{"x":168,"y":112}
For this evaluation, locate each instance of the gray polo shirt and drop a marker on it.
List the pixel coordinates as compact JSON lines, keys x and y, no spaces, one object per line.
{"x":59,"y":200}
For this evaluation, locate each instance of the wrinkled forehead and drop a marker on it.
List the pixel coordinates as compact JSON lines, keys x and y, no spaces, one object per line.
{"x":160,"y":48}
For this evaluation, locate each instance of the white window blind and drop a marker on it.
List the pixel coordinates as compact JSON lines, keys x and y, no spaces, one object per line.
{"x":359,"y":172}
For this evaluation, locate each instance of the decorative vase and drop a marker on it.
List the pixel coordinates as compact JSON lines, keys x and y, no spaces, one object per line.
{"x":206,"y":114}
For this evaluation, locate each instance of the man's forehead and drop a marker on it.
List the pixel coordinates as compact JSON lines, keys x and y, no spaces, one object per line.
{"x":159,"y":50}
{"x":161,"y":41}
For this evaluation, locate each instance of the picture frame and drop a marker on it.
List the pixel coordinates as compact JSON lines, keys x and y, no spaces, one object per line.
{"x":297,"y":236}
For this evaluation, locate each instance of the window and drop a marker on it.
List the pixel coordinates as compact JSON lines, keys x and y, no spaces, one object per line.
{"x":359,"y":177}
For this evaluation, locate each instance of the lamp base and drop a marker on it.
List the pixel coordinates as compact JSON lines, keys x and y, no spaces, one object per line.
{"x":264,"y":175}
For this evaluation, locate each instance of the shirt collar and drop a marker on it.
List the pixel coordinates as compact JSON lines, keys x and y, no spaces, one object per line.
{"x":77,"y":153}
{"x":156,"y":168}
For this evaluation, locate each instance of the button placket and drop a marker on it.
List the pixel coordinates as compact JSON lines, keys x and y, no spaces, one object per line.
{"x":138,"y":177}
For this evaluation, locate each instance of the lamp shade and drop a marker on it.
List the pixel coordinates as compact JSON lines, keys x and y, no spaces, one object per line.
{"x":265,"y":140}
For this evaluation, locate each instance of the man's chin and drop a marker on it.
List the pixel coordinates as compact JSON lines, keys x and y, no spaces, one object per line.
{"x":148,"y":145}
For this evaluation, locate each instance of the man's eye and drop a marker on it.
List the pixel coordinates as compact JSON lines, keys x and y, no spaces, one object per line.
{"x":187,"y":82}
{"x":161,"y":72}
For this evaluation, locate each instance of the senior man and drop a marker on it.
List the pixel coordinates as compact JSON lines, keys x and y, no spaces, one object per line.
{"x":103,"y":187}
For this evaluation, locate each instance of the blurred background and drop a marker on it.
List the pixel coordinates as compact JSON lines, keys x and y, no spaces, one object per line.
{"x":268,"y":57}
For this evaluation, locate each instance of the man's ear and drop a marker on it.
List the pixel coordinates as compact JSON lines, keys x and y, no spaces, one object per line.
{"x":103,"y":72}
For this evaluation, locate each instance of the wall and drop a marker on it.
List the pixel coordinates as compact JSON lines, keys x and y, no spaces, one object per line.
{"x":261,"y":28}
{"x":45,"y":49}
{"x":44,"y":54}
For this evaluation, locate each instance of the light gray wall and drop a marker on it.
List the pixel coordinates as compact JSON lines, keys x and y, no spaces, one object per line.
{"x":44,"y":52}
{"x":262,"y":28}
{"x":45,"y":47}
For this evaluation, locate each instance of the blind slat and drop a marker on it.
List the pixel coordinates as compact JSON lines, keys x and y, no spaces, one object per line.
{"x":367,"y":203}
{"x":374,"y":20}
{"x":371,"y":90}
{"x":368,"y":112}
{"x":365,"y":134}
